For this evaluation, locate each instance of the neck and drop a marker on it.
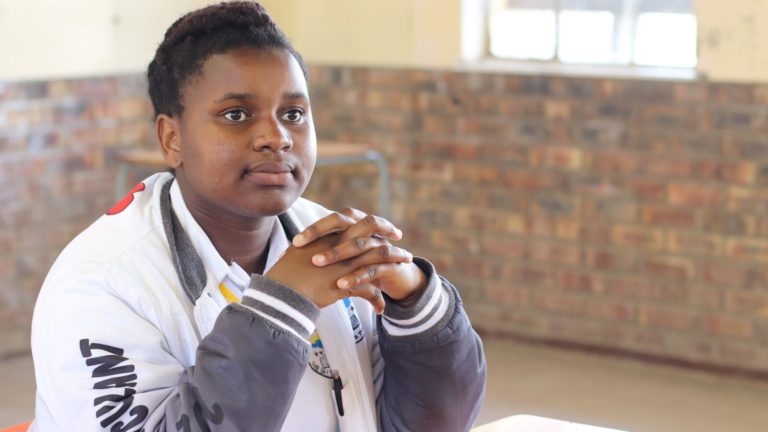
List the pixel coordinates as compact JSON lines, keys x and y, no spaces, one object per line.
{"x":247,"y":245}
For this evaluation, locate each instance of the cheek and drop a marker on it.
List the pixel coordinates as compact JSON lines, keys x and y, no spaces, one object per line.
{"x":222,"y":167}
{"x":213,"y":165}
{"x":218,"y":156}
{"x":225,"y":157}
{"x":308,"y":159}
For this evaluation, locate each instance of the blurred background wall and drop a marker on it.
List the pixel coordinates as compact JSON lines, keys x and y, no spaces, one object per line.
{"x":626,"y":215}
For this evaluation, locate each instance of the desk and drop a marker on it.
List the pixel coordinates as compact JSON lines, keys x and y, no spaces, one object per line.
{"x":530,"y":423}
{"x":328,"y":154}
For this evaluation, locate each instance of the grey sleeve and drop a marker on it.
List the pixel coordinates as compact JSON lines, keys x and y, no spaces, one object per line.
{"x":248,"y":368}
{"x":434,"y":378}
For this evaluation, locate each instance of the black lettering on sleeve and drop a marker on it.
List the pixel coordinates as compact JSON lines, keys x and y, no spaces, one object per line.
{"x":119,"y":410}
{"x":86,"y":348}
{"x":113,"y":374}
{"x":139,"y":413}
{"x":108,"y":365}
{"x":117,"y":382}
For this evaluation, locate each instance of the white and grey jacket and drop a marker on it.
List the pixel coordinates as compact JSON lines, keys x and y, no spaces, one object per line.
{"x":130,"y":333}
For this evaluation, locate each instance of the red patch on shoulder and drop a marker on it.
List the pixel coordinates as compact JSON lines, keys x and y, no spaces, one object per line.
{"x":126,"y":201}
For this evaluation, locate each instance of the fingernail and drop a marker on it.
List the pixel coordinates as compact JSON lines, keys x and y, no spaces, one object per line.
{"x":344,"y":283}
{"x":318,"y":259}
{"x":298,"y":240}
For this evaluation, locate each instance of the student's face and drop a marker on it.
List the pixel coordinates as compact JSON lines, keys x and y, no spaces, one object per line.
{"x":246,"y":142}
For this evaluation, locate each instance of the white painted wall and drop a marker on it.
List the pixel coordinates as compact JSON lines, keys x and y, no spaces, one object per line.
{"x":421,"y":33}
{"x":733,"y":39}
{"x":41,"y":39}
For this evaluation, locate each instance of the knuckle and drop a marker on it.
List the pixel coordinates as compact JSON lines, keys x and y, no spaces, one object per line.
{"x":369,"y":220}
{"x":385,"y":251}
{"x":340,"y":220}
{"x":340,"y":217}
{"x":348,"y":220}
{"x":360,"y":243}
{"x":311,"y":231}
{"x":358,"y":290}
{"x":371,"y":272}
{"x":335,"y":253}
{"x":376,"y":294}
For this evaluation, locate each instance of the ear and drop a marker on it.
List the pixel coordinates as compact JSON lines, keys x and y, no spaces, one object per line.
{"x":169,"y":136}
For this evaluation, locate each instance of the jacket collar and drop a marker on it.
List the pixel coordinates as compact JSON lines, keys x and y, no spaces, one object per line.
{"x":186,"y":250}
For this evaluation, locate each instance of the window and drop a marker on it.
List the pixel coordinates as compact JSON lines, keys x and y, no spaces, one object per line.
{"x":612,"y":32}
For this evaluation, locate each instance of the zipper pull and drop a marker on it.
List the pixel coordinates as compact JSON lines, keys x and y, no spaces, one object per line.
{"x":337,"y":387}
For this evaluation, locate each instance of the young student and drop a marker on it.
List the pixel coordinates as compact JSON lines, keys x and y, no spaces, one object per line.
{"x":215,"y":298}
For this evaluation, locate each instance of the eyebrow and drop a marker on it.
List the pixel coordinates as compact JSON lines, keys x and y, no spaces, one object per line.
{"x":249,"y":96}
{"x":235,"y":96}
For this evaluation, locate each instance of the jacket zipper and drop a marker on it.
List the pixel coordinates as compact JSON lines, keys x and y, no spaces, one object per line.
{"x":337,"y":388}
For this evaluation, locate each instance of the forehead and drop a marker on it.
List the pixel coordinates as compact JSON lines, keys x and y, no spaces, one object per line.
{"x":247,"y":70}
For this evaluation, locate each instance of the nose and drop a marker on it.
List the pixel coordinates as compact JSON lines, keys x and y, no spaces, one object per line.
{"x":272,"y":136}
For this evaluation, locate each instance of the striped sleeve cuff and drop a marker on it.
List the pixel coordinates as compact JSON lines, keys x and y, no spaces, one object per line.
{"x":425,"y":317}
{"x":281,"y":305}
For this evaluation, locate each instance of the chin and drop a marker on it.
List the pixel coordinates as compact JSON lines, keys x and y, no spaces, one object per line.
{"x":271,"y":206}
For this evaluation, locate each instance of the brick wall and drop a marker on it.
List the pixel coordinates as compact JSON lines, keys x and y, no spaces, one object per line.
{"x":619,"y":214}
{"x":57,"y":141}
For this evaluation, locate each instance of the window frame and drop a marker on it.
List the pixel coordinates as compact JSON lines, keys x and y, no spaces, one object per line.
{"x":627,"y":23}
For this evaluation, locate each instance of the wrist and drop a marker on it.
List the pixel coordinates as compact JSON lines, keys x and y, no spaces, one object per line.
{"x":281,"y":305}
{"x":417,"y":286}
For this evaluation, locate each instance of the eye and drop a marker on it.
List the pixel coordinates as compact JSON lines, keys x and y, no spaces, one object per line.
{"x":294,"y":116}
{"x":236,"y":116}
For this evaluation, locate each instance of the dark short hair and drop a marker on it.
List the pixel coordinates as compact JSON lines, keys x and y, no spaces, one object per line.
{"x":200,"y":34}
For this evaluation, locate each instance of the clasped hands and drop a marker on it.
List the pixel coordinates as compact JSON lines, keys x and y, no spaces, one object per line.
{"x":349,"y":254}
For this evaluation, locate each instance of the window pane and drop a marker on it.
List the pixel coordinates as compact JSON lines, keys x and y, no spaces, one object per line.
{"x":526,"y":4}
{"x":643,"y":32}
{"x":665,"y":39}
{"x":586,"y":36}
{"x":523,"y":34}
{"x":593,"y":5}
{"x":674,"y":6}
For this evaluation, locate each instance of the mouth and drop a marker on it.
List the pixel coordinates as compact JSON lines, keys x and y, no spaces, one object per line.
{"x":270,"y":173}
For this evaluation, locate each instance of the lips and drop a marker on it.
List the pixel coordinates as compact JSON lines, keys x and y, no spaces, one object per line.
{"x":270,"y":173}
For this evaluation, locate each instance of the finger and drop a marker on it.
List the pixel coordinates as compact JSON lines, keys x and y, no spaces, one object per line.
{"x":384,"y":252}
{"x":330,"y":224}
{"x":379,"y":303}
{"x":358,"y":215}
{"x":370,"y":293}
{"x":372,"y":225}
{"x":346,"y":250}
{"x":366,"y":275}
{"x":353,"y":213}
